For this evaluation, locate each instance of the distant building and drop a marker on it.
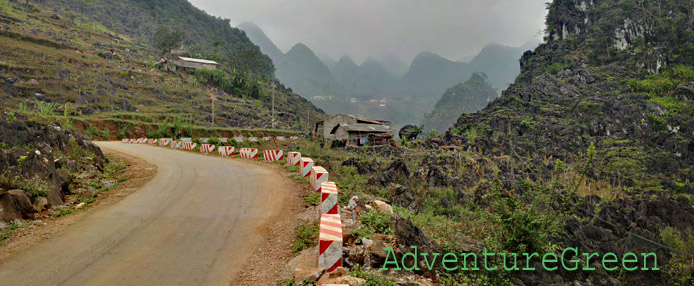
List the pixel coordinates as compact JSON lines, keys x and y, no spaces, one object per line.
{"x":191,"y":64}
{"x":353,"y":130}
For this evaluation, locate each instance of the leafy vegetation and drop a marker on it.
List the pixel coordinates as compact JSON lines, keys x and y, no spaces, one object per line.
{"x":306,"y":236}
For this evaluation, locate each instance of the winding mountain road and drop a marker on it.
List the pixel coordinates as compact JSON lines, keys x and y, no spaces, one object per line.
{"x":195,"y":223}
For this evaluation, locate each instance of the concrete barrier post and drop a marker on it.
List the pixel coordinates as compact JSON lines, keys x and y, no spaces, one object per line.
{"x":206,"y":148}
{"x":330,"y":242}
{"x":305,"y":165}
{"x":225,"y":150}
{"x":318,"y":176}
{"x":293,"y":158}
{"x":189,"y":146}
{"x":273,"y":155}
{"x":328,"y":204}
{"x":163,"y":142}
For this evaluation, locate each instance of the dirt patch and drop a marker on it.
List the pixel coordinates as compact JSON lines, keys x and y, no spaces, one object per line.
{"x":33,"y":232}
{"x":268,"y":265}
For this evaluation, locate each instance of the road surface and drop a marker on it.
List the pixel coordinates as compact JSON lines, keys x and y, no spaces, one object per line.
{"x":195,"y":223}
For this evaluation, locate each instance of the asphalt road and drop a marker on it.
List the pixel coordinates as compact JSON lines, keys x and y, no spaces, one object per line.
{"x":195,"y":223}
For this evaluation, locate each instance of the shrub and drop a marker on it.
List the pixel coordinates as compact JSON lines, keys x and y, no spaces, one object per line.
{"x":312,"y":199}
{"x":306,"y":236}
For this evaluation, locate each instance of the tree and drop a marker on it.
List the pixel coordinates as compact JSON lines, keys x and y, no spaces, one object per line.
{"x":166,"y":39}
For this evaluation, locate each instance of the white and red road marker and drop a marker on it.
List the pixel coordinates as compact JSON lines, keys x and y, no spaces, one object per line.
{"x":305,"y":166}
{"x":293,"y":158}
{"x":189,"y":146}
{"x":163,"y":142}
{"x":273,"y":155}
{"x":330,"y":242}
{"x":226,"y":150}
{"x":206,"y":148}
{"x":248,"y":153}
{"x":328,"y":204}
{"x":318,"y":176}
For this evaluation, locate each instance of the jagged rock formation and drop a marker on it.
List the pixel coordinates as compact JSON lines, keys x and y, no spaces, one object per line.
{"x":469,"y":97}
{"x":613,"y":74}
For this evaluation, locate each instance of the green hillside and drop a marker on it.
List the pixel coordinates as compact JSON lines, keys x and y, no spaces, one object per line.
{"x":468,"y":97}
{"x":66,"y":64}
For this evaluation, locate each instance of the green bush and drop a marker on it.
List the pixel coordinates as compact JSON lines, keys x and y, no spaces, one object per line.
{"x":306,"y":236}
{"x":312,"y":199}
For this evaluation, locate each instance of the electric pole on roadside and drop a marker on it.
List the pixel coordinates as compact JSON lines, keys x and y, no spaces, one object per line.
{"x":272,"y":84}
{"x":213,"y":98}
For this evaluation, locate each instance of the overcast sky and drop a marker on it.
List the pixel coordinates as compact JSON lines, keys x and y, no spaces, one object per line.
{"x":455,"y":29}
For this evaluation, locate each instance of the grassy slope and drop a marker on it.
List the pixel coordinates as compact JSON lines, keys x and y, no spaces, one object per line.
{"x":62,"y":54}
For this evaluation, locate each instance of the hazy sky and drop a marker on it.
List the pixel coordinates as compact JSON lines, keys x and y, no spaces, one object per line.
{"x":455,"y":29}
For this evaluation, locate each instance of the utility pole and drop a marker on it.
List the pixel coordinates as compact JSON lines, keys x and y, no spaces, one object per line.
{"x":273,"y":104}
{"x":213,"y":98}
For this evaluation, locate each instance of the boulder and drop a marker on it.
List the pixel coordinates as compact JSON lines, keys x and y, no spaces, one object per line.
{"x":308,"y":275}
{"x":410,"y":132}
{"x":16,"y":205}
{"x":407,"y":235}
{"x":361,"y":168}
{"x":40,"y":204}
{"x":435,"y":178}
{"x":402,"y":196}
{"x":383,"y":206}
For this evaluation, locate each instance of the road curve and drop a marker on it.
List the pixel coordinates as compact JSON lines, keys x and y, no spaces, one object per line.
{"x":195,"y":223}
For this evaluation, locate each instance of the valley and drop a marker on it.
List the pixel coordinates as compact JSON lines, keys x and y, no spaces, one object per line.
{"x":148,"y":142}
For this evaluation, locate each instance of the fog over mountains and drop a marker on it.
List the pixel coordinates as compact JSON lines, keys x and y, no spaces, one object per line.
{"x":332,"y":84}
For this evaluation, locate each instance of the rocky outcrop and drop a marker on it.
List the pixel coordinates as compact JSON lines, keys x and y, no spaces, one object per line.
{"x":15,"y":205}
{"x":28,"y":163}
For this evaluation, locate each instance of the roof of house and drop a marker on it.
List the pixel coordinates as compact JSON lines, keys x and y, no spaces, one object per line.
{"x":361,"y":127}
{"x":365,"y":120}
{"x":199,"y":61}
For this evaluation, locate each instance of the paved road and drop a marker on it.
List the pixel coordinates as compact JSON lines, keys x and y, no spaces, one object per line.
{"x":195,"y":223}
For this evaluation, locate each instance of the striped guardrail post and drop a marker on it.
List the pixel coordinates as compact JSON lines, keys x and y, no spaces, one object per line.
{"x":163,"y":142}
{"x":328,"y":204}
{"x":330,"y":242}
{"x":206,"y":148}
{"x":273,"y":155}
{"x":189,"y":146}
{"x":249,"y":153}
{"x":305,"y":166}
{"x":318,"y":176}
{"x":293,"y":158}
{"x":225,"y":150}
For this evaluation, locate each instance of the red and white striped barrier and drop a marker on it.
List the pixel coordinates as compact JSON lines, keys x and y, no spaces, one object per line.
{"x":225,"y":150}
{"x":206,"y":148}
{"x":125,"y":140}
{"x":152,"y":141}
{"x":293,"y":158}
{"x":328,"y":203}
{"x":142,"y":141}
{"x":189,"y":146}
{"x":318,"y":176}
{"x":176,"y":144}
{"x":305,"y":165}
{"x":330,"y":242}
{"x":273,"y":155}
{"x":163,"y":142}
{"x":131,"y":141}
{"x":248,"y":153}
